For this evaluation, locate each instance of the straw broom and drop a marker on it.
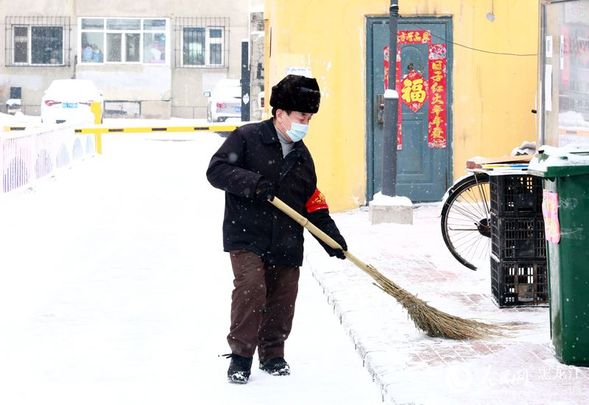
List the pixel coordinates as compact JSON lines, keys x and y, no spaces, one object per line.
{"x":433,"y":322}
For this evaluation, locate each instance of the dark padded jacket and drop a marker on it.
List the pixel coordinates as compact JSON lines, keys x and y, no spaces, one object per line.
{"x":251,"y":153}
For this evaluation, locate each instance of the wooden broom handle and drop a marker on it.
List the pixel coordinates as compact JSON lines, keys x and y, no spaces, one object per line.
{"x":282,"y":206}
{"x":304,"y":222}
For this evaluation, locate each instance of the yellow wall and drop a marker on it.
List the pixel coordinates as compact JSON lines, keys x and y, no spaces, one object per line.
{"x":492,"y":94}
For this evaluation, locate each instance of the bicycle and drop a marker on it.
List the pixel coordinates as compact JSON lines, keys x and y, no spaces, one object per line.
{"x":466,"y":219}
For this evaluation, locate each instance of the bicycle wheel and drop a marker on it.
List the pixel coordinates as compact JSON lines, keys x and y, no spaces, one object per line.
{"x":466,"y":220}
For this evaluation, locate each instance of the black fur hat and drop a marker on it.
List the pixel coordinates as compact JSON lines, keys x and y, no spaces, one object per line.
{"x":296,"y":93}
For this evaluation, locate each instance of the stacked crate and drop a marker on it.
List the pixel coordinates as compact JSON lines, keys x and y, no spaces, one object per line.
{"x":518,"y":247}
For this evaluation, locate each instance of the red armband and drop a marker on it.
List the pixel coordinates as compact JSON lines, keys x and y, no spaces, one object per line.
{"x":316,"y":202}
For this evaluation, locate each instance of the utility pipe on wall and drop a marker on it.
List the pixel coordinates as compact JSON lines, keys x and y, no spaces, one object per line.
{"x":391,"y":104}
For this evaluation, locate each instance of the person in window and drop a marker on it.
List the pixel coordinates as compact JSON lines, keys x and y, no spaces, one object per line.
{"x":55,"y":57}
{"x":47,"y":55}
{"x":157,"y":54}
{"x":96,"y":54}
{"x":257,"y":162}
{"x":87,"y":53}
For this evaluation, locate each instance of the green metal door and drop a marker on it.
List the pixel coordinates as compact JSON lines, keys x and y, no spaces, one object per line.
{"x":424,"y":157}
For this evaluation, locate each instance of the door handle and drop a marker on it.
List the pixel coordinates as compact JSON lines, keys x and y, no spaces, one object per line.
{"x":379,"y":109}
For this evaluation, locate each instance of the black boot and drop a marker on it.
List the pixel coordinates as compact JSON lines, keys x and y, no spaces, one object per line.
{"x":276,"y":366}
{"x":239,"y":369}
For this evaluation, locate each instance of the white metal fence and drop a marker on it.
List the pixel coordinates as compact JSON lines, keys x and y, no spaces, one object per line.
{"x":26,"y":156}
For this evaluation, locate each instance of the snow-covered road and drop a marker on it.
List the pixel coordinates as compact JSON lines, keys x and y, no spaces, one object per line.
{"x":114,"y":290}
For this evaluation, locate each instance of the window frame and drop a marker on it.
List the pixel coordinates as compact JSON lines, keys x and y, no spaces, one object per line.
{"x":563,"y":48}
{"x":195,"y":32}
{"x":206,"y":24}
{"x":214,"y":41}
{"x":208,"y":42}
{"x":30,"y":44}
{"x":124,"y":32}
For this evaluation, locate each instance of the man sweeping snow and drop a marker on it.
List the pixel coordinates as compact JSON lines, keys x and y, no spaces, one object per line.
{"x":257,"y":162}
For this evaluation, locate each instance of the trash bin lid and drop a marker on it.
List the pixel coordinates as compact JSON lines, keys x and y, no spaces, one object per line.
{"x":550,"y":161}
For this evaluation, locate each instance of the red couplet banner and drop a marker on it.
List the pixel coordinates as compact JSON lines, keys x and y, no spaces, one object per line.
{"x":437,"y":121}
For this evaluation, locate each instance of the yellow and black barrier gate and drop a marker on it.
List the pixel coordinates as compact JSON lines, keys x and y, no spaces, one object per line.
{"x":98,"y":131}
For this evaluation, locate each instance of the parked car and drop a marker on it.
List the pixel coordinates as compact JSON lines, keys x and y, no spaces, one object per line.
{"x":70,"y":100}
{"x":224,"y":101}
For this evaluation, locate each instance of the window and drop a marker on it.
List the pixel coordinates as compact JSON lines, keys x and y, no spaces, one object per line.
{"x":38,"y":45}
{"x":202,"y":42}
{"x":215,"y":46}
{"x":37,"y":41}
{"x":123,"y":40}
{"x":564,"y":74}
{"x":202,"y":46}
{"x":193,"y":50}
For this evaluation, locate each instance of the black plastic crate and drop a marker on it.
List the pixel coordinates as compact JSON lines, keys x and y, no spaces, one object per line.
{"x":519,"y":283}
{"x":514,"y":238}
{"x":515,"y":195}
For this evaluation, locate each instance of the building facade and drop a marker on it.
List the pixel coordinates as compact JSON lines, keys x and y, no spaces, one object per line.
{"x":467,"y":84}
{"x":150,"y":59}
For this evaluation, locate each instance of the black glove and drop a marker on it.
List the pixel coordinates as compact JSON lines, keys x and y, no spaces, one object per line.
{"x":264,"y":190}
{"x":322,"y":220}
{"x":337,"y":252}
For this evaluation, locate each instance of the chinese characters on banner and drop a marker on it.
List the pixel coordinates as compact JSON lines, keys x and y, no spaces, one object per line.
{"x":414,"y":90}
{"x":436,"y":125}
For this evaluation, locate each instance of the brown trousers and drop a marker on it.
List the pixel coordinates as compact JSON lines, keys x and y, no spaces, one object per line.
{"x":262,"y":306}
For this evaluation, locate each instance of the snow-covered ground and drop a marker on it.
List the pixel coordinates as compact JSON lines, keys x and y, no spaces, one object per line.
{"x":114,"y":290}
{"x":18,"y":119}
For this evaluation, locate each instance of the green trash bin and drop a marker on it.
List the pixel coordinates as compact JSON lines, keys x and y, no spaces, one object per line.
{"x":565,"y":207}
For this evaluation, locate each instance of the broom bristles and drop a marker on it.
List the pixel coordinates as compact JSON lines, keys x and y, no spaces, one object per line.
{"x":433,"y":322}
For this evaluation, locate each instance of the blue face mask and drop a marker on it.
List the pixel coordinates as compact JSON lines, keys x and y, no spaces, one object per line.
{"x":297,"y":131}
